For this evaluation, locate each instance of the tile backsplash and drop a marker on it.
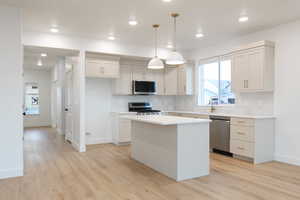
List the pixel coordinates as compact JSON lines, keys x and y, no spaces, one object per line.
{"x":246,"y":103}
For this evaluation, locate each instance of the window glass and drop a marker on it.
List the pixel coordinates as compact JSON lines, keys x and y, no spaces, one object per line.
{"x":226,"y":95}
{"x":32,"y":101}
{"x":209,"y":74}
{"x":215,"y":83}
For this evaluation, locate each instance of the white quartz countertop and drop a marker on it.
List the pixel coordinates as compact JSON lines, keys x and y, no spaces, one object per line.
{"x":164,"y":119}
{"x":225,"y":114}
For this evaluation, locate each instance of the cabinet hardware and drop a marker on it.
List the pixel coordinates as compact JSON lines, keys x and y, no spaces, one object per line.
{"x":241,"y":133}
{"x":241,"y":148}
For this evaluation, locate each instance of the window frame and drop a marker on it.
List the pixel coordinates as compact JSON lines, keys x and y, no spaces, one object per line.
{"x":202,"y":62}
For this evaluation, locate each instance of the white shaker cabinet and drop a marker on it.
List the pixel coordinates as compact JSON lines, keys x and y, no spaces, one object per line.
{"x":171,"y":76}
{"x":121,"y":129}
{"x":253,"y":68}
{"x":98,"y":68}
{"x":185,"y":80}
{"x":158,"y":77}
{"x":123,"y":85}
{"x":253,"y":139}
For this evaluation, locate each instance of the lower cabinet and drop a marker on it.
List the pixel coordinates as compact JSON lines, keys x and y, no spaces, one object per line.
{"x":121,"y":129}
{"x":252,"y":138}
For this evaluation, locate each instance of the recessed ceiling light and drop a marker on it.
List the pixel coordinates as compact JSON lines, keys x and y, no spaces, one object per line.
{"x":167,"y":0}
{"x":199,"y":35}
{"x":54,"y":30}
{"x":132,"y":22}
{"x":43,"y":54}
{"x":39,"y":63}
{"x":243,"y":19}
{"x":170,"y":46}
{"x":111,"y":37}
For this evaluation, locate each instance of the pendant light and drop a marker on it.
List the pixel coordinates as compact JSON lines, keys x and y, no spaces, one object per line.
{"x":156,"y":63}
{"x":175,"y":58}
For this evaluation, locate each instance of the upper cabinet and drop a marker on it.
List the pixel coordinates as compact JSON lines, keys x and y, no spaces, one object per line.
{"x":122,"y":85}
{"x":253,"y":68}
{"x":171,"y":80}
{"x":185,"y":79}
{"x":102,"y":68}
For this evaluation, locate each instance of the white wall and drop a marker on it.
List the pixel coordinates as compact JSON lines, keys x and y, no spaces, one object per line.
{"x":43,"y":80}
{"x":100,"y":103}
{"x":11,"y":90}
{"x":286,"y":95}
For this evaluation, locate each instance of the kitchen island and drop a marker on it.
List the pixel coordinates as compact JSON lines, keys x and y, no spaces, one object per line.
{"x":177,"y":147}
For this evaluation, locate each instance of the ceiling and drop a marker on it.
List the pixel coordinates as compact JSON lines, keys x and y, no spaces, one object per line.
{"x":217,"y":19}
{"x":33,"y":54}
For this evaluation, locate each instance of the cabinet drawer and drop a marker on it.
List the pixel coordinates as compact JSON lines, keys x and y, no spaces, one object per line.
{"x":242,"y":148}
{"x":242,"y":121}
{"x":245,"y":133}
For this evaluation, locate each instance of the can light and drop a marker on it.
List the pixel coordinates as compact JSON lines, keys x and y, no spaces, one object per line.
{"x":111,"y":37}
{"x":243,"y":19}
{"x":132,"y":22}
{"x":54,"y":30}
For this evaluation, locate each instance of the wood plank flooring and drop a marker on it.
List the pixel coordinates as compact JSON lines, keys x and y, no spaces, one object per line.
{"x":54,"y":171}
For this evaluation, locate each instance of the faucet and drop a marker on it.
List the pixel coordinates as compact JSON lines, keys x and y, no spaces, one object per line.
{"x":212,"y":107}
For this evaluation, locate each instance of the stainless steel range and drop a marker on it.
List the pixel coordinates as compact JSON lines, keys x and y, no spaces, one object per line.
{"x":142,"y":108}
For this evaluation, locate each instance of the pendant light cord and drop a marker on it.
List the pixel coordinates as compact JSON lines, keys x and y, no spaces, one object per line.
{"x":175,"y":29}
{"x":156,"y":42}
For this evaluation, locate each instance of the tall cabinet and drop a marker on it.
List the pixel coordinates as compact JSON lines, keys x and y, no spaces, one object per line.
{"x":253,"y":68}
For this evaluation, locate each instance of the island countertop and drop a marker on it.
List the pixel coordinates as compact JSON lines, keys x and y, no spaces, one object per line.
{"x":165,"y":120}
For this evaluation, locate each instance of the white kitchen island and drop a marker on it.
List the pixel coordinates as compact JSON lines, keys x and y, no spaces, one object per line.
{"x":174,"y":146}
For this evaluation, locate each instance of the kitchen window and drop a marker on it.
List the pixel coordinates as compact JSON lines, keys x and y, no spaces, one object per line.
{"x":215,"y":82}
{"x":32,"y":101}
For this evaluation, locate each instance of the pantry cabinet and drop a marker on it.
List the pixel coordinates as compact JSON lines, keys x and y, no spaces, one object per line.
{"x":101,"y":68}
{"x":253,"y":68}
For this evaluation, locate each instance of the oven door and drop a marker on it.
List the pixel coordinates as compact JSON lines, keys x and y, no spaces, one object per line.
{"x":144,"y":87}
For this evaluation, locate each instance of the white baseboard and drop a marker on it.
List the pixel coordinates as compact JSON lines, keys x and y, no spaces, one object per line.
{"x":91,"y":141}
{"x":77,"y":147}
{"x":288,"y":159}
{"x":10,"y":173}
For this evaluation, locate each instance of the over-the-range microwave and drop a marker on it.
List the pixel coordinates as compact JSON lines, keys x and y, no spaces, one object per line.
{"x":143,"y":87}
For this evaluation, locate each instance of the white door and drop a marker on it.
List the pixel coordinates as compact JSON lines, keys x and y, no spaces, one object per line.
{"x":68,"y":107}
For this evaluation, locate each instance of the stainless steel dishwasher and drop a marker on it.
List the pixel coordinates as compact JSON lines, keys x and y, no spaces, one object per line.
{"x":220,"y":135}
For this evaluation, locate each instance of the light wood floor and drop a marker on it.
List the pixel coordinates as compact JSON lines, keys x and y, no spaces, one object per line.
{"x":53,"y":170}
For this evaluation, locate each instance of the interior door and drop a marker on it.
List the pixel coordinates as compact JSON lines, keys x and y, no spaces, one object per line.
{"x":68,"y":107}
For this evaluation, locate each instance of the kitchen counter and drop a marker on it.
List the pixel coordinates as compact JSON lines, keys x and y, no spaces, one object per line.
{"x":177,"y":147}
{"x":164,"y":119}
{"x":224,"y":114}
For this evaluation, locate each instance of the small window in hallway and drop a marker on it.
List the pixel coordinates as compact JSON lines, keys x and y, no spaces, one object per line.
{"x":32,"y":101}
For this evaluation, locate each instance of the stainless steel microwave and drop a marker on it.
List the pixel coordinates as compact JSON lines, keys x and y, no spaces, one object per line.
{"x":143,"y":87}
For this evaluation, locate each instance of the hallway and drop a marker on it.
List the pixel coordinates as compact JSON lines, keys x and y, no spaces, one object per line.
{"x":54,"y":171}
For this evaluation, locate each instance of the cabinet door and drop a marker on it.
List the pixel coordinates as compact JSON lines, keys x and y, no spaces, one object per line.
{"x":124,"y":130}
{"x":102,"y":69}
{"x":111,"y":69}
{"x":171,"y":80}
{"x":122,"y":85}
{"x":240,"y":72}
{"x":255,"y":72}
{"x":139,"y":73}
{"x":182,"y":80}
{"x":158,"y":77}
